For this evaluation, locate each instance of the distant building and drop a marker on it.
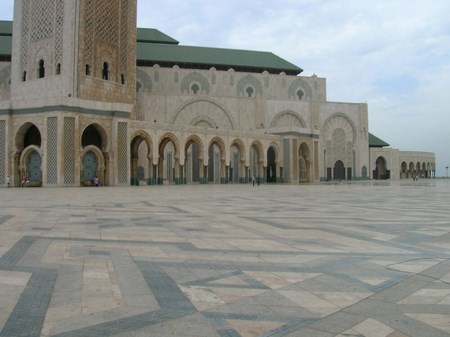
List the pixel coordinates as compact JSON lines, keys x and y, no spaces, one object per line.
{"x":83,"y":93}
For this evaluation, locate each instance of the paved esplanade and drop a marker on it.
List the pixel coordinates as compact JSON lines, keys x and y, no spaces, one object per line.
{"x":360,"y":259}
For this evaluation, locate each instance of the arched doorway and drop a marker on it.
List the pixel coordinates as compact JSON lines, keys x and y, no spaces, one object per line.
{"x":381,"y":172}
{"x":255,"y":162}
{"x":403,"y":170}
{"x":364,"y":172}
{"x":235,"y":164}
{"x":304,"y":163}
{"x":168,"y":163}
{"x":28,"y":163}
{"x":271,"y":165}
{"x":93,"y":158}
{"x":339,"y":170}
{"x":216,"y":161}
{"x":194,"y":160}
{"x":140,"y":159}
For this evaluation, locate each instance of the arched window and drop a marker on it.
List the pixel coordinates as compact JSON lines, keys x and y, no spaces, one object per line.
{"x":300,"y":94}
{"x":195,"y":88}
{"x":41,"y":69}
{"x":250,"y":91}
{"x":105,"y":71}
{"x":58,"y":69}
{"x":88,"y":70}
{"x":24,"y":76}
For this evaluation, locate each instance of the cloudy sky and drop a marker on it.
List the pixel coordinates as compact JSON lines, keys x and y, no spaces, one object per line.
{"x":392,"y":54}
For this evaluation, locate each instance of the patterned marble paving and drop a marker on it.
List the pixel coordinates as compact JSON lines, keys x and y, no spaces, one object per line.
{"x":356,"y":259}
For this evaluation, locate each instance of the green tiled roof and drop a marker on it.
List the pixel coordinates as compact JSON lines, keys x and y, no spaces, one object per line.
{"x":5,"y":45}
{"x":155,"y":47}
{"x":220,"y":58}
{"x":147,"y":35}
{"x":376,"y":142}
{"x":5,"y":28}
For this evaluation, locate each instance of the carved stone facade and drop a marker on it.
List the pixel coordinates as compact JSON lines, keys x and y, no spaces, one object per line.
{"x":74,"y":106}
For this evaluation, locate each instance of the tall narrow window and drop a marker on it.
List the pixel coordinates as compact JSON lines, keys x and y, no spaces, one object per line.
{"x":122,"y":78}
{"x":41,"y":70}
{"x":88,"y":70}
{"x":24,"y":76}
{"x":58,"y":69}
{"x":105,"y":71}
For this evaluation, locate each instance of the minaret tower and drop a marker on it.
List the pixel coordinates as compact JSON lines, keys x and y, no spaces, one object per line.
{"x":73,"y":79}
{"x":82,"y":48}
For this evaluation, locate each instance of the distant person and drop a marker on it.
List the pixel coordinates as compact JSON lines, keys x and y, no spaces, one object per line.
{"x":8,"y":181}
{"x":253,"y":180}
{"x":96,"y":181}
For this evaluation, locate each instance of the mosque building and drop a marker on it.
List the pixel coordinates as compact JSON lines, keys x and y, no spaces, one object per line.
{"x":84,"y":94}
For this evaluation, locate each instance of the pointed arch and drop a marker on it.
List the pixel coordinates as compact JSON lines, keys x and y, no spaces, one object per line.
{"x":256,"y":159}
{"x":194,"y":163}
{"x":168,"y":158}
{"x":95,"y":134}
{"x":216,"y":160}
{"x":288,"y":118}
{"x":27,"y":134}
{"x":93,"y":164}
{"x":140,"y":156}
{"x":191,"y":110}
{"x":272,"y":163}
{"x":304,"y":165}
{"x":237,"y":161}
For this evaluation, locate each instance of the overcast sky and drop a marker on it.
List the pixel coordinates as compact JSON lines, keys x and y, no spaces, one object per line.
{"x":392,"y":54}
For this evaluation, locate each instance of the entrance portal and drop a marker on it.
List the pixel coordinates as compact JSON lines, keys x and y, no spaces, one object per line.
{"x":339,"y":170}
{"x":89,"y":166}
{"x":34,"y":167}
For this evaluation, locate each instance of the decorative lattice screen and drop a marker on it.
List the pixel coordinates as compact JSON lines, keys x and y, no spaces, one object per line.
{"x":2,"y":151}
{"x":42,"y":13}
{"x":69,"y":150}
{"x":122,"y":153}
{"x":52,"y":150}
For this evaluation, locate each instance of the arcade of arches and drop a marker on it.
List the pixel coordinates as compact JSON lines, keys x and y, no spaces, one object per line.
{"x":167,"y":160}
{"x":196,"y":160}
{"x":407,"y":170}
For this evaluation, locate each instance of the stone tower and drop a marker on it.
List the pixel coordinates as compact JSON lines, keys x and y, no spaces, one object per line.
{"x":106,"y":65}
{"x":81,"y":48}
{"x":73,"y":75}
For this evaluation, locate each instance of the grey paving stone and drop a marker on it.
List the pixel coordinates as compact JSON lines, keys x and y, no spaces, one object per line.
{"x":171,"y":266}
{"x":28,"y":315}
{"x":337,"y":323}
